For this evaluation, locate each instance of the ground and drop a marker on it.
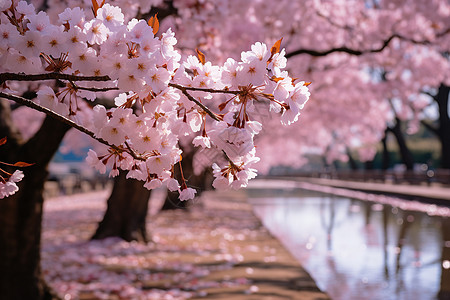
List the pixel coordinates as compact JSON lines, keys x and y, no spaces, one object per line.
{"x":217,"y":249}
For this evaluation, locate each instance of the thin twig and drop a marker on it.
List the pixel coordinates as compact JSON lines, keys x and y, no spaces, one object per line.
{"x":229,"y":160}
{"x":49,"y":76}
{"x":131,"y":152}
{"x":213,"y":91}
{"x":202,"y":106}
{"x":106,"y":89}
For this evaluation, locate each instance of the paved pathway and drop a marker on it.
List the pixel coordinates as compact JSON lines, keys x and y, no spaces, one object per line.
{"x":217,"y":249}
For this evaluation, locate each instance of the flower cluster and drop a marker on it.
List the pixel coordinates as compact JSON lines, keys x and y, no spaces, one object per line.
{"x":8,"y":180}
{"x":159,"y":97}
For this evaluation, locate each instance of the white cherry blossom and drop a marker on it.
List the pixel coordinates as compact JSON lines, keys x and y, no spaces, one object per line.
{"x":159,"y":98}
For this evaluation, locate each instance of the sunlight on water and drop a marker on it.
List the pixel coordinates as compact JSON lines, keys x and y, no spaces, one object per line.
{"x":357,"y":249}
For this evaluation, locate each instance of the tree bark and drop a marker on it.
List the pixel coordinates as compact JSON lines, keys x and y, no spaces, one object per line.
{"x":21,"y":214}
{"x":172,"y":201}
{"x":405,"y":153}
{"x":195,"y":181}
{"x":444,"y":125}
{"x":126,"y":214}
{"x":385,"y":161}
{"x":369,"y":165}
{"x":351,"y":161}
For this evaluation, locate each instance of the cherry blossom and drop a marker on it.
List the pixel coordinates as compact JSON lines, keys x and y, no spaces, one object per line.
{"x":187,"y":194}
{"x":5,"y":4}
{"x":404,"y":40}
{"x":8,"y":181}
{"x":9,"y":186}
{"x":159,"y":97}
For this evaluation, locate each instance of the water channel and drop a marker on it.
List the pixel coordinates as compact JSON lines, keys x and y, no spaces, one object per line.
{"x":359,"y":249}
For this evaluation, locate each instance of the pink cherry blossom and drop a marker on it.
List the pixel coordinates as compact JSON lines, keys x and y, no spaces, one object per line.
{"x":187,"y":194}
{"x":10,"y":187}
{"x":111,"y":16}
{"x":160,"y":99}
{"x":96,"y":31}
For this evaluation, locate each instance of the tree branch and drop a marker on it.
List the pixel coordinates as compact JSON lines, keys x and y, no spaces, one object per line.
{"x":213,"y":91}
{"x":341,"y":49}
{"x":56,"y":116}
{"x":433,"y":96}
{"x":184,"y":90}
{"x":49,"y":76}
{"x":356,"y":52}
{"x":166,"y":9}
{"x":91,"y":89}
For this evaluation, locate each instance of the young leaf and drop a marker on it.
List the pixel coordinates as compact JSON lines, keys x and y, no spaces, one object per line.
{"x":95,"y":6}
{"x":276,"y":79}
{"x":222,"y":106}
{"x":201,"y":56}
{"x":276,"y":47}
{"x":274,"y":50}
{"x":22,"y":164}
{"x":3,"y":141}
{"x":154,"y":23}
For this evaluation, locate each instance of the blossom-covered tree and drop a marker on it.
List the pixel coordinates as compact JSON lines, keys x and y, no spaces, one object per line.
{"x":362,"y":57}
{"x":373,"y":53}
{"x":353,"y":46}
{"x":344,"y":49}
{"x":56,"y":63}
{"x":147,"y":68}
{"x":348,"y":51}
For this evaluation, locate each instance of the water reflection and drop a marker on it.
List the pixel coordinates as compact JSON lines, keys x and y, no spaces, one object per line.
{"x":361,"y":250}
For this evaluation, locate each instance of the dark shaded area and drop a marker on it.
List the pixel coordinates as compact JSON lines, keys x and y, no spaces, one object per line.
{"x":21,"y":214}
{"x":198,"y":182}
{"x":126,"y":214}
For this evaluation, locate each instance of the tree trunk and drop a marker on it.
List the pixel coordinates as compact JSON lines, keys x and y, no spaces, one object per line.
{"x":172,"y":202}
{"x":126,"y":214}
{"x":20,"y":234}
{"x":21,"y":214}
{"x":369,"y":165}
{"x":351,"y":161}
{"x":405,"y":153}
{"x":444,"y":125}
{"x":197,"y":182}
{"x":385,"y":161}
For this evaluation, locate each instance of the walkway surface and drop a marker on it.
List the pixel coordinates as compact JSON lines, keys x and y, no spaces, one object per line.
{"x":218,"y":249}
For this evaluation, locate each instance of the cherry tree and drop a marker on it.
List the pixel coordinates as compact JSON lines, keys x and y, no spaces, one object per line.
{"x":58,"y":64}
{"x":160,"y":84}
{"x":348,"y":51}
{"x":377,"y":53}
{"x":369,"y":62}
